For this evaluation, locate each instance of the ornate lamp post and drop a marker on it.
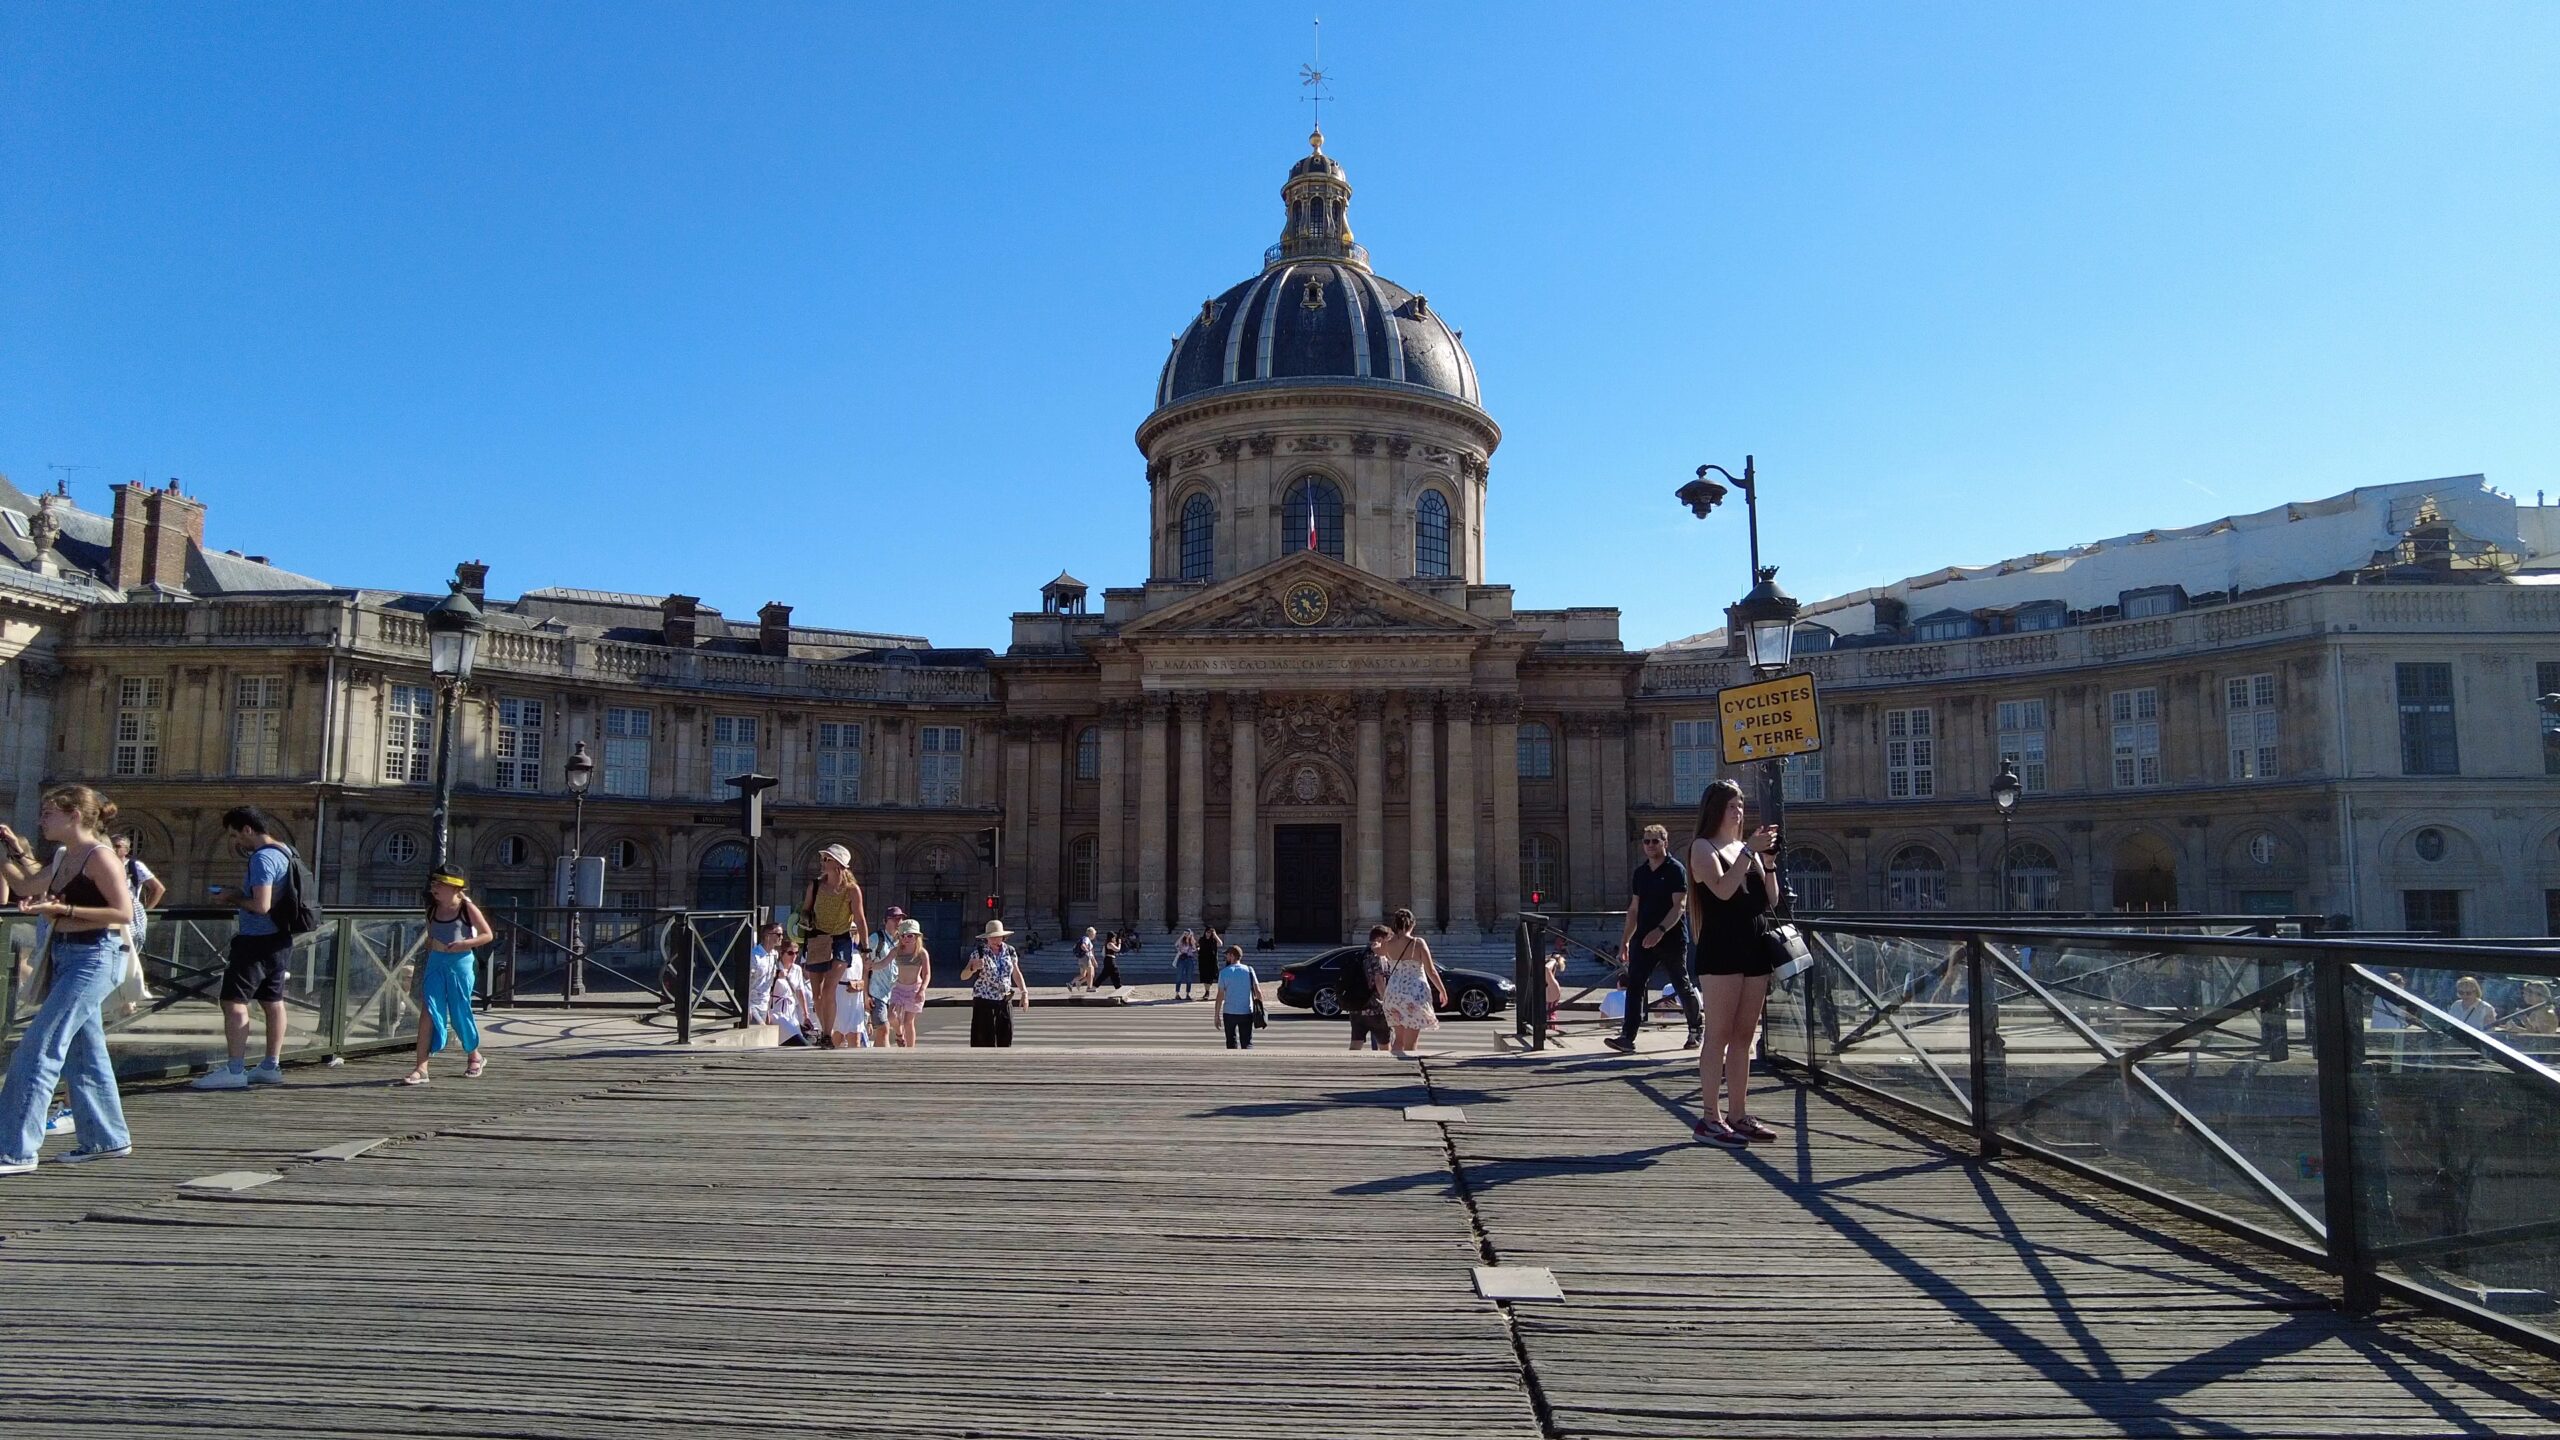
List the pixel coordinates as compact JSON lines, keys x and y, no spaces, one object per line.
{"x":580,"y":772}
{"x":1766,"y":615}
{"x":2004,"y":793}
{"x":453,"y":645}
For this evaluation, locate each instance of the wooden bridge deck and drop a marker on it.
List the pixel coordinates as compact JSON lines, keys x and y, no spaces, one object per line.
{"x":1123,"y":1231}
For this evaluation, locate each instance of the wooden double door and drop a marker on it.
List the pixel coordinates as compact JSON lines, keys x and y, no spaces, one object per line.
{"x":1306,"y":884}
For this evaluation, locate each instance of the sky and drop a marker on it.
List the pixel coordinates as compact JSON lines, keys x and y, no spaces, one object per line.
{"x":858,"y":308}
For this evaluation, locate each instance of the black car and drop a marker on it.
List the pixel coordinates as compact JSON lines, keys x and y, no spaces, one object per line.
{"x":1315,"y":984}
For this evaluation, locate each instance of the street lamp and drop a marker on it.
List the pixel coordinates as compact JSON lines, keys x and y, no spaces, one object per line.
{"x":453,"y":644}
{"x":580,"y":772}
{"x":2004,"y":793}
{"x":1766,"y":616}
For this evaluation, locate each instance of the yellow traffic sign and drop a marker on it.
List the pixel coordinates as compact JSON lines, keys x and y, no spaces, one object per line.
{"x":1768,"y":718}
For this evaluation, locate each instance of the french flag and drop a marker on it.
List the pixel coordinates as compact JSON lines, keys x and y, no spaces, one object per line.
{"x":1311,"y":524}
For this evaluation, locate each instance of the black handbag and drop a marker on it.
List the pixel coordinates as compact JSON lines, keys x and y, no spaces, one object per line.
{"x":1783,"y":946}
{"x":1261,"y":1019}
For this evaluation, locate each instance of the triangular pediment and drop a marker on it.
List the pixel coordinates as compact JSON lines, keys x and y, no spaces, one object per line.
{"x":1306,"y":593}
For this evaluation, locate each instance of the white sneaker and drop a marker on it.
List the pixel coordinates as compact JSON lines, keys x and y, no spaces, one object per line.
{"x":16,"y":1167}
{"x":59,"y":1123}
{"x":266,"y":1072}
{"x":226,"y":1078}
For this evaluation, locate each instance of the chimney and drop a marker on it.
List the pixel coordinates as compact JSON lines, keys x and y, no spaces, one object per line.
{"x":773,"y":629}
{"x":677,"y":616}
{"x":125,"y":550}
{"x":173,"y":523}
{"x":474,"y":577}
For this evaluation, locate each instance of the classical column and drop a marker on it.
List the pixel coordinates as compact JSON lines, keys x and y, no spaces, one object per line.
{"x":1111,"y":861}
{"x":1015,"y":879}
{"x":1045,"y":856}
{"x":1421,"y":778}
{"x":1151,"y":798}
{"x":1369,"y":835}
{"x":1581,"y":814}
{"x":1192,"y":830}
{"x":1502,"y":735}
{"x":1244,"y":821}
{"x":1462,"y":815}
{"x":1616,"y":845}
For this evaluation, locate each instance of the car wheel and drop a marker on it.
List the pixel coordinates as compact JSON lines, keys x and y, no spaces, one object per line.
{"x":1474,"y":1003}
{"x":1326,"y":1003}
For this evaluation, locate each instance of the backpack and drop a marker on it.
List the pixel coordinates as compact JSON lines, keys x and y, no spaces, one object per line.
{"x":293,"y":909}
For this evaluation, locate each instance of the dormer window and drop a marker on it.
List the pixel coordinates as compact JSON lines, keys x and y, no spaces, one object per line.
{"x":2158,"y":600}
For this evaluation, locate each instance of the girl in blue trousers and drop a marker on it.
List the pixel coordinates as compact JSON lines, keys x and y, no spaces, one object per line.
{"x":455,"y":928}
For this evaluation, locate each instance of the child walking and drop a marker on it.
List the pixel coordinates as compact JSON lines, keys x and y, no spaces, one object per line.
{"x":455,"y":928}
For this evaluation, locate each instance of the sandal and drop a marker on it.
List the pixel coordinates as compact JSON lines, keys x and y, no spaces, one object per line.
{"x":478,"y":1064}
{"x":1713,"y":1131}
{"x":1749,"y":1129}
{"x":414,"y":1077}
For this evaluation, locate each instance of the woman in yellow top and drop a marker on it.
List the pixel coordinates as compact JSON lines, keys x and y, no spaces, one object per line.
{"x":833,"y":907}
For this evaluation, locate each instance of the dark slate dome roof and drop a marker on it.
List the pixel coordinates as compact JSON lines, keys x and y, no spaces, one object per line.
{"x":1316,"y":314}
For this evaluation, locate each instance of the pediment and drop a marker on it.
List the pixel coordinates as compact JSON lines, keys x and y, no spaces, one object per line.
{"x":1260,"y":602}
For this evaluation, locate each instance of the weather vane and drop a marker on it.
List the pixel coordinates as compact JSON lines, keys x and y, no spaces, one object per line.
{"x":1312,"y":76}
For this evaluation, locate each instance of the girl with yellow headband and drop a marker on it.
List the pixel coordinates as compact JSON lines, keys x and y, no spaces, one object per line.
{"x":455,"y":928}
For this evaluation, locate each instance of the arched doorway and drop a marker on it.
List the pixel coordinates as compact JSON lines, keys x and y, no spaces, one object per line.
{"x":2146,"y":874}
{"x":720,"y":880}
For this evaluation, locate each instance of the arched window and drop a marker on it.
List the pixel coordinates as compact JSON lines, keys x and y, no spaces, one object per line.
{"x":1311,"y":505}
{"x":720,"y":881}
{"x":1537,"y":752}
{"x":1915,"y":879}
{"x":625,"y":854}
{"x":1199,"y":537}
{"x":1089,"y":753}
{"x":1809,"y":874}
{"x":400,"y":848}
{"x":512,"y":851}
{"x":1084,"y":869}
{"x":2035,"y":880}
{"x":1431,"y":535}
{"x":1541,"y":869}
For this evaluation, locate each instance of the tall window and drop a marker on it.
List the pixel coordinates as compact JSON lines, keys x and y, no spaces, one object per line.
{"x":1312,"y":503}
{"x":1541,"y":869}
{"x":408,"y":725}
{"x":1431,"y":535}
{"x":257,"y":725}
{"x":626,"y":751}
{"x":733,"y":746}
{"x":2135,"y":718}
{"x":2546,"y":681}
{"x":839,"y":763}
{"x":938,"y":767}
{"x":720,"y":879}
{"x":1084,"y":869}
{"x":139,"y":699}
{"x":2249,"y":703}
{"x":1915,"y":879}
{"x":1537,"y":752}
{"x":2433,"y":912}
{"x":1802,"y":777}
{"x":1910,"y":755}
{"x":2426,"y":721}
{"x":1089,"y":753}
{"x":1200,"y":537}
{"x":1809,"y":874}
{"x":2035,"y":877}
{"x":519,"y":752}
{"x":1693,"y":758}
{"x":2022,"y":730}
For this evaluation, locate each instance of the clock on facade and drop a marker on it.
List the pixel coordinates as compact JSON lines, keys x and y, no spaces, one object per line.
{"x":1306,"y":603}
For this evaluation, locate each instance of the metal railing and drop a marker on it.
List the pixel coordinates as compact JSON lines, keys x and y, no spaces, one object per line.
{"x":671,"y":960}
{"x":2352,"y":1103}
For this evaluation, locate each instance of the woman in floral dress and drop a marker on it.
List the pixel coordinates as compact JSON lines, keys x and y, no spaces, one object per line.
{"x":1414,"y":991}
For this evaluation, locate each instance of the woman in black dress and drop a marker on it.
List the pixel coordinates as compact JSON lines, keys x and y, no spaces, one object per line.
{"x":1732,"y":888}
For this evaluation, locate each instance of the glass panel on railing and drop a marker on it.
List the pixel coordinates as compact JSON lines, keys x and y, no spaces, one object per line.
{"x":2189,"y":1073}
{"x":2457,"y":1134}
{"x":380,"y":959}
{"x":1889,"y":1012}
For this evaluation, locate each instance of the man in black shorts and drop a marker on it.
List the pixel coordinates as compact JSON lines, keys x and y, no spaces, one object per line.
{"x":259,"y":948}
{"x":1657,"y":936}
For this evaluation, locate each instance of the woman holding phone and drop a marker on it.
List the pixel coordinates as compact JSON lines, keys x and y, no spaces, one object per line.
{"x":1731,"y":887}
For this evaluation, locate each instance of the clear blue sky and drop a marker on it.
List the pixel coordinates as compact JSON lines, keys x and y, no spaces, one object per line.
{"x":858,"y":309}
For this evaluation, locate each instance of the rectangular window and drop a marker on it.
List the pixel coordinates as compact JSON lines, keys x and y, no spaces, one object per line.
{"x":839,"y":764}
{"x":519,"y":746}
{"x":1802,"y":777}
{"x":626,"y":751}
{"x":733,"y":746}
{"x":938,"y":768}
{"x":408,"y":729}
{"x":2135,"y":716}
{"x":1910,"y":755}
{"x":2546,"y":681}
{"x":2426,"y":720}
{"x":2022,"y":731}
{"x":139,"y":699}
{"x":1537,"y":747}
{"x":2249,"y":702}
{"x":2431,"y":912}
{"x":257,"y":725}
{"x":1084,"y":869}
{"x":1693,"y":759}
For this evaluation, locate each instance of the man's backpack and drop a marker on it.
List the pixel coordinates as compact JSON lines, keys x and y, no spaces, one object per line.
{"x":292,"y":907}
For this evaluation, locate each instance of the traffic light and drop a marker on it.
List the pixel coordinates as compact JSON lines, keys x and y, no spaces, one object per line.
{"x":990,"y":846}
{"x":1537,"y":897}
{"x":991,"y":902}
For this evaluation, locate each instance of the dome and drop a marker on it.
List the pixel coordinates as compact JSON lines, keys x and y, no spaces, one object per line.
{"x":1317,"y":314}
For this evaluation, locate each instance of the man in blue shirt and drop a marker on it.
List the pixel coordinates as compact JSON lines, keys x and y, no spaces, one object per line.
{"x":258,"y":952}
{"x":1239,"y":996}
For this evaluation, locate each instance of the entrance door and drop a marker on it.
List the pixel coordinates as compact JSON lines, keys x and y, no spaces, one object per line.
{"x":1306,"y":884}
{"x":946,"y":935}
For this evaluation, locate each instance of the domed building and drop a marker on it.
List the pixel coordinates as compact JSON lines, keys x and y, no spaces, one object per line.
{"x":1317,"y":709}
